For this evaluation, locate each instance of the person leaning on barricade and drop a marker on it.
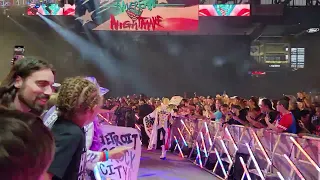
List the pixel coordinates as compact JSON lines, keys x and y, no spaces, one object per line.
{"x":254,"y":117}
{"x":237,"y":116}
{"x":26,"y":146}
{"x":267,"y":109}
{"x":305,"y":126}
{"x":310,"y":123}
{"x":285,"y":122}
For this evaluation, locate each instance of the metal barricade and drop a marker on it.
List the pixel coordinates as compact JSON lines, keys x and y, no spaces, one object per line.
{"x":270,"y":155}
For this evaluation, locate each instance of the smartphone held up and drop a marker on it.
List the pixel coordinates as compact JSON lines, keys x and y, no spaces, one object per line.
{"x":18,"y":54}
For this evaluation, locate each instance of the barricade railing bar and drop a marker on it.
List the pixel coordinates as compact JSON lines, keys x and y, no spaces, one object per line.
{"x":227,"y":150}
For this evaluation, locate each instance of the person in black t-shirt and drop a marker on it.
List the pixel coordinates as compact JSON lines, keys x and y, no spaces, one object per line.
{"x":69,"y":149}
{"x":144,"y":109}
{"x":254,"y":114}
{"x":125,"y":115}
{"x":238,"y":115}
{"x":78,"y":103}
{"x":304,"y":125}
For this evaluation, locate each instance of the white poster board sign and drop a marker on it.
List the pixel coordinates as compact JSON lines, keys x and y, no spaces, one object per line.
{"x":127,"y":167}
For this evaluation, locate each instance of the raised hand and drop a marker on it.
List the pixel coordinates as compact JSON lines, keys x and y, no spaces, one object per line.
{"x":118,"y":152}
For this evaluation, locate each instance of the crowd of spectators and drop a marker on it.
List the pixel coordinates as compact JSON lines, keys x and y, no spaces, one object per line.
{"x":26,"y":95}
{"x":291,"y":114}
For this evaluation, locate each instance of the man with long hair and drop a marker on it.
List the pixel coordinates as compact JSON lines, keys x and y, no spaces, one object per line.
{"x":28,"y":86}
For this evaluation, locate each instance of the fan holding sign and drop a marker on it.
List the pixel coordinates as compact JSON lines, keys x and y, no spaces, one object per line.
{"x":53,"y":120}
{"x":122,"y":138}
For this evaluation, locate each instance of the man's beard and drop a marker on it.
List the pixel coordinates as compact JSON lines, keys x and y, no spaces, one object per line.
{"x":35,"y":108}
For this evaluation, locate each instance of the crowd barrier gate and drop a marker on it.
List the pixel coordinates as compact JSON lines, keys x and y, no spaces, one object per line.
{"x":259,"y":153}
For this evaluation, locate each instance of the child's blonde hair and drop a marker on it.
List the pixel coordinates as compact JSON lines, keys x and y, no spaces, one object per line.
{"x":77,"y":95}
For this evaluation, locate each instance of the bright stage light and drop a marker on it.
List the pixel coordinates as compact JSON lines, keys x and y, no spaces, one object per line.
{"x":312,"y":30}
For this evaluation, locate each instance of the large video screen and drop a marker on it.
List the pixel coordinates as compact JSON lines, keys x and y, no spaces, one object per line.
{"x":224,"y":10}
{"x":51,"y":9}
{"x":141,"y":15}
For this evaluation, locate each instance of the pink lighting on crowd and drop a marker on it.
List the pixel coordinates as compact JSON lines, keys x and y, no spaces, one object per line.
{"x":261,"y":147}
{"x":226,"y":150}
{"x":199,"y":155}
{"x":231,"y":138}
{"x":104,"y":119}
{"x":305,"y":153}
{"x":208,"y":133}
{"x":184,"y":141}
{"x":280,"y":176}
{"x":203,"y":145}
{"x":176,"y":140}
{"x":255,"y":162}
{"x":220,"y":162}
{"x":184,"y":125}
{"x":246,"y":172}
{"x":294,"y":167}
{"x":137,"y":126}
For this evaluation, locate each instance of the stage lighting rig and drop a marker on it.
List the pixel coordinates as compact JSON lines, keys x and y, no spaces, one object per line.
{"x":312,"y":30}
